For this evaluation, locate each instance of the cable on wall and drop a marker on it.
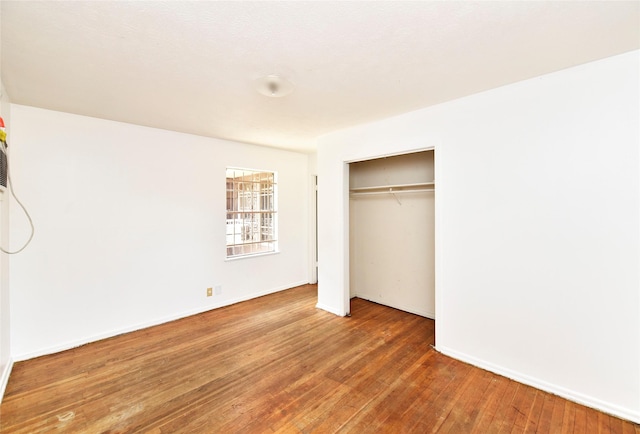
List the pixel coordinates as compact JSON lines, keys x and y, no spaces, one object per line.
{"x":3,"y":149}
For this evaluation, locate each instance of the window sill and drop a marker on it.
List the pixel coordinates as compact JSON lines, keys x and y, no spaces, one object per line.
{"x":253,"y":255}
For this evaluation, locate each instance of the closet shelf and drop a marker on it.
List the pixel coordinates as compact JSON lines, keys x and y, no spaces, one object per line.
{"x":395,"y":187}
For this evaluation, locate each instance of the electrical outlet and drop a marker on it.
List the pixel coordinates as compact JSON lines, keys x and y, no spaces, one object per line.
{"x":209,"y":292}
{"x":218,"y":289}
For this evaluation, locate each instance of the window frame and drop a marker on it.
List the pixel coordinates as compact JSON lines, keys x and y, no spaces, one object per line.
{"x":251,"y":212}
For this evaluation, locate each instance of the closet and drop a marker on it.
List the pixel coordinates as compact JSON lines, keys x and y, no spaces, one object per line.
{"x":391,"y":231}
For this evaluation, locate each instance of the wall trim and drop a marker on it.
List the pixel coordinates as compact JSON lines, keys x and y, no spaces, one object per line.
{"x":571,"y":395}
{"x":97,"y":337}
{"x":329,"y":309}
{"x":313,"y":225}
{"x":418,"y":147}
{"x":403,"y":307}
{"x":4,"y":377}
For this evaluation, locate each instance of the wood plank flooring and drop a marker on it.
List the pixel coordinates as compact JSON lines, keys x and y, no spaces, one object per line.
{"x":277,"y":364}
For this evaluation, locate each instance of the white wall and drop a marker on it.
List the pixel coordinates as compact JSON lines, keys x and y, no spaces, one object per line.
{"x":6,"y":360}
{"x":537,"y":227}
{"x":5,"y":355}
{"x":130,"y":228}
{"x":391,"y":259}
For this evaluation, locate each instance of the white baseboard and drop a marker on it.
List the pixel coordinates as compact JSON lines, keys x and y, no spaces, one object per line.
{"x":329,"y":309}
{"x":4,"y":378}
{"x":409,"y":309}
{"x":399,"y":306}
{"x":571,"y":395}
{"x":77,"y":343}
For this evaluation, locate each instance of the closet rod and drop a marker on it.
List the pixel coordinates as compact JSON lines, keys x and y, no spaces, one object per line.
{"x":393,"y":191}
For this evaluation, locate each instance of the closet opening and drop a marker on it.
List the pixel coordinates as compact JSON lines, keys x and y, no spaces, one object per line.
{"x":392,"y":231}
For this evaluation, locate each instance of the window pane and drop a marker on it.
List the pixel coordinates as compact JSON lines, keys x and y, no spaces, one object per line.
{"x":251,"y":216}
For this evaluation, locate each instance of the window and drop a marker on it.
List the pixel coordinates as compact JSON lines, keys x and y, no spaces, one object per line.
{"x":251,"y":212}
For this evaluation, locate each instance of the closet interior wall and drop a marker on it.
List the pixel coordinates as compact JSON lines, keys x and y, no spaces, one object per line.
{"x":391,"y":231}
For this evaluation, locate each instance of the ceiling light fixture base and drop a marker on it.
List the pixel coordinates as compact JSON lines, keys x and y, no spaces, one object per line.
{"x":274,"y":86}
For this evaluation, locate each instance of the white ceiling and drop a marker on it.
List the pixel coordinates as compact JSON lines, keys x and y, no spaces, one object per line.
{"x":190,"y":66}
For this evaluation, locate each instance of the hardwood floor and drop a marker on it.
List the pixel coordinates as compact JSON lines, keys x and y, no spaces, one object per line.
{"x":277,"y":364}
